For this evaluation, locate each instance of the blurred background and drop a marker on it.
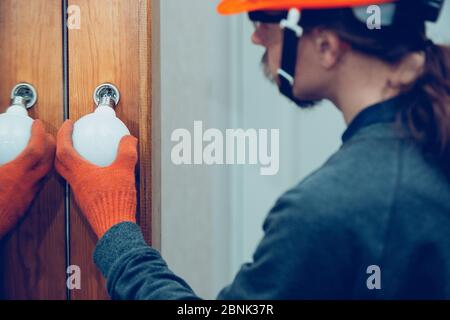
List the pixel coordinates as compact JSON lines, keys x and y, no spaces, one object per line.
{"x":212,"y":215}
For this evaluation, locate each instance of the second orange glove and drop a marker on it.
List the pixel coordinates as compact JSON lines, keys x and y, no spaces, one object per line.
{"x":106,"y":195}
{"x":22,"y":178}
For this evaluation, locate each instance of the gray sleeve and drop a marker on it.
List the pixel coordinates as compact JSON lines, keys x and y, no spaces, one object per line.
{"x":135,"y":271}
{"x":303,"y":255}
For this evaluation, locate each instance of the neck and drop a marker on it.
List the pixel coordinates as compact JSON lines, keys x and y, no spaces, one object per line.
{"x":351,"y":106}
{"x":355,"y":91}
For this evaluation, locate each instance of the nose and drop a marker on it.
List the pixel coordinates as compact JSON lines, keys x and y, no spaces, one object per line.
{"x":256,"y":39}
{"x":259,"y":36}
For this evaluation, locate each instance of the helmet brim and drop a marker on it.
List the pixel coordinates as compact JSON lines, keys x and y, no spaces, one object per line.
{"x":228,"y":7}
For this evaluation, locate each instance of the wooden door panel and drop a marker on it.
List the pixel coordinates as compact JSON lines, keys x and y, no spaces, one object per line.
{"x":112,"y":45}
{"x":33,"y":256}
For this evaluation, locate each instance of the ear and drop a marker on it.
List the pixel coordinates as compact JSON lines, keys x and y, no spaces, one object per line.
{"x":329,"y":47}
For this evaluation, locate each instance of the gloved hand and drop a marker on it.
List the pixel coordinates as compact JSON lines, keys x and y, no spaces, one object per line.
{"x":106,"y":195}
{"x":23,"y":177}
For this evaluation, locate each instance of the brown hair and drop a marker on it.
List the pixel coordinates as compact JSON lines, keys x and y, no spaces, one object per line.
{"x":428,"y":117}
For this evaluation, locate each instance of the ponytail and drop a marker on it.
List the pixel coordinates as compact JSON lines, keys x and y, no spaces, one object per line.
{"x":429,"y":117}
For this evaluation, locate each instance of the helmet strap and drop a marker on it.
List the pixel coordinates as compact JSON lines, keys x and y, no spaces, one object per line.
{"x":292,"y":34}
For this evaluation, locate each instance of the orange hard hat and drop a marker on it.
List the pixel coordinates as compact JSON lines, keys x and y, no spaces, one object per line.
{"x":238,"y":6}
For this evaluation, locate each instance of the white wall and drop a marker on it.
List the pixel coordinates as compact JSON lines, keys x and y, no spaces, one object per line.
{"x":195,"y":80}
{"x":212,"y":216}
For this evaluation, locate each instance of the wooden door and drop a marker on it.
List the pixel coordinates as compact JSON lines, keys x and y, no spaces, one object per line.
{"x":112,"y":44}
{"x":33,"y":255}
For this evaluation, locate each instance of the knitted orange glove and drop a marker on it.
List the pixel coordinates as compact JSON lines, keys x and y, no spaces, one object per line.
{"x":106,"y":195}
{"x":23,"y":177}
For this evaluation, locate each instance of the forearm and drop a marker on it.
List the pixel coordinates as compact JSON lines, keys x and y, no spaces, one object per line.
{"x":135,"y":271}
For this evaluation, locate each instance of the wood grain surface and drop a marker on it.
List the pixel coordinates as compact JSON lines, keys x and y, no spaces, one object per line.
{"x":112,"y":45}
{"x":33,"y":256}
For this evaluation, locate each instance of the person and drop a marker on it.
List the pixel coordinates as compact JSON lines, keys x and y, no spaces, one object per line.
{"x":374,"y":221}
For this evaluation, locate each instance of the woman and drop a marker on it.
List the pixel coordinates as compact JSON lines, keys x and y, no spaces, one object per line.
{"x":374,"y":220}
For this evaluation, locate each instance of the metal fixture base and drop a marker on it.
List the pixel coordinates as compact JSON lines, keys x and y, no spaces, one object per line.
{"x":106,"y":90}
{"x":27,"y":92}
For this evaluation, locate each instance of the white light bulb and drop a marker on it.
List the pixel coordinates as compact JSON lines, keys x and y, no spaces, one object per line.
{"x":96,"y":136}
{"x":15,"y":130}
